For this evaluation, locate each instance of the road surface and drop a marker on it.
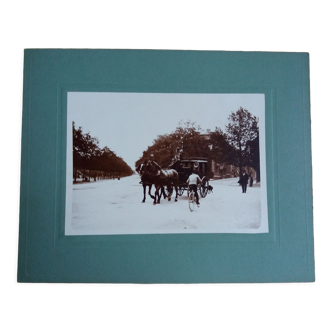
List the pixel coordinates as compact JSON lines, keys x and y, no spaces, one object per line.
{"x":114,"y":207}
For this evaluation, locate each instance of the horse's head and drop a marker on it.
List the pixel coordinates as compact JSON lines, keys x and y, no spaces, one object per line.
{"x":149,"y":167}
{"x":146,"y":170}
{"x":152,"y":168}
{"x":140,"y":169}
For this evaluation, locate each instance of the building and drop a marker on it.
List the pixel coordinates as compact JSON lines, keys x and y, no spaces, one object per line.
{"x":225,"y":171}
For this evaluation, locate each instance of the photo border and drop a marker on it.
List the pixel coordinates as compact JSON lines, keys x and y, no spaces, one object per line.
{"x":64,"y":89}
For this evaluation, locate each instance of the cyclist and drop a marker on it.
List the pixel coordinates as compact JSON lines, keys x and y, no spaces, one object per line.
{"x":193,"y":180}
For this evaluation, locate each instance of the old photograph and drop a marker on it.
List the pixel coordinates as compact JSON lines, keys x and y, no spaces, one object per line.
{"x":164,"y":163}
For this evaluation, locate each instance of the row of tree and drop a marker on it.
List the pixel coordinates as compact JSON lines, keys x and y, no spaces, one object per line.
{"x":89,"y":160}
{"x":238,"y":145}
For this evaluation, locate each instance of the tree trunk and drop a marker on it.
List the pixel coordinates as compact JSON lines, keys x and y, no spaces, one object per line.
{"x":258,"y":173}
{"x":240,"y":169}
{"x":75,"y":175}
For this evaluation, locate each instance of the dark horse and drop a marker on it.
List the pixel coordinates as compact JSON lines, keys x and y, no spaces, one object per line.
{"x":162,"y":177}
{"x":146,"y":180}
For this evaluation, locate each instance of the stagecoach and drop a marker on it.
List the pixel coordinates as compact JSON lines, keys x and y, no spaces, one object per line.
{"x":185,"y":167}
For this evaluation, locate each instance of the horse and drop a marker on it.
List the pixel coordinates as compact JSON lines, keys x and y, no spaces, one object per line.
{"x":162,"y":177}
{"x":146,"y":181}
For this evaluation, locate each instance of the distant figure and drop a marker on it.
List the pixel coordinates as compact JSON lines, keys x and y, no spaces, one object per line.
{"x":118,"y":177}
{"x":251,"y":180}
{"x":244,"y":181}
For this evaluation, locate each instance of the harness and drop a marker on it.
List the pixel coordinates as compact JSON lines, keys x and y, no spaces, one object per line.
{"x":167,"y":175}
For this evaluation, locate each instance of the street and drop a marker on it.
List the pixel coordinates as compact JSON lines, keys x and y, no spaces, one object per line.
{"x":114,"y":207}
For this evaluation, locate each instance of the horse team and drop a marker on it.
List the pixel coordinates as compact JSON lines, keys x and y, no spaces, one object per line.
{"x":152,"y":174}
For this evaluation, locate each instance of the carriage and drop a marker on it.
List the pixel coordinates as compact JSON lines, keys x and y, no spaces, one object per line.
{"x":185,"y":166}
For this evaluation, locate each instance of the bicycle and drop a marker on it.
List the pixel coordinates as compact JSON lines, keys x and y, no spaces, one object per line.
{"x":192,"y":200}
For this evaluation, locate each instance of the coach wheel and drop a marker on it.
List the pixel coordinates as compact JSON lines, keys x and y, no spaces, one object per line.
{"x":203,"y":189}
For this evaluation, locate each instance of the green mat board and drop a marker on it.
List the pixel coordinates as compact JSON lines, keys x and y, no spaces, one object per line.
{"x":283,"y":254}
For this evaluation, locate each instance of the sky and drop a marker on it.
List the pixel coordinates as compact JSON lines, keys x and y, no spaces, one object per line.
{"x":129,"y":122}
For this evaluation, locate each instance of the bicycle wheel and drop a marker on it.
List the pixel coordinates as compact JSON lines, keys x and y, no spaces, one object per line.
{"x":191,"y":200}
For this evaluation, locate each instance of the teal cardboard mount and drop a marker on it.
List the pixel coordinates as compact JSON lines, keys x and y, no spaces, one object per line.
{"x":283,"y":253}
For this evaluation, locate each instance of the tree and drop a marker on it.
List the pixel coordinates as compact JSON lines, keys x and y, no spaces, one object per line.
{"x":90,"y":150}
{"x":190,"y":142}
{"x":185,"y":141}
{"x":88,"y":156}
{"x":111,"y":163}
{"x":221,"y":150}
{"x":252,"y":150}
{"x":78,"y":154}
{"x":242,"y":128}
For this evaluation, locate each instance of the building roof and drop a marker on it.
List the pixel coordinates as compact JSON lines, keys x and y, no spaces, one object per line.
{"x":199,"y":159}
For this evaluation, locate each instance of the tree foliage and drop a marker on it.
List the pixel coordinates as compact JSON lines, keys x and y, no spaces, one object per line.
{"x":186,"y":141}
{"x":221,"y":150}
{"x":241,"y":129}
{"x":238,"y":145}
{"x":87,"y":155}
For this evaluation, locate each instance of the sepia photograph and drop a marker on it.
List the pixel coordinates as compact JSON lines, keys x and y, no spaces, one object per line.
{"x":163,"y":163}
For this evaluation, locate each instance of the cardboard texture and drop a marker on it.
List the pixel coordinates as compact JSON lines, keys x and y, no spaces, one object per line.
{"x":285,"y":254}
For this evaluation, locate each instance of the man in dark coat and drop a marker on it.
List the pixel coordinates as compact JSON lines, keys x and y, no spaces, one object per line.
{"x":244,"y":181}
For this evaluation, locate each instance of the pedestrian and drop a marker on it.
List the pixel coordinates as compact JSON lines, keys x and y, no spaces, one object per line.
{"x":244,"y":181}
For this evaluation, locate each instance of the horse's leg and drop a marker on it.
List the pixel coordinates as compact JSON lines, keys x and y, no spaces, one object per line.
{"x":150,"y":186}
{"x":176,"y":187}
{"x":163,"y":192}
{"x":158,"y":194}
{"x":155,"y":195}
{"x":144,"y":190}
{"x":169,"y":188}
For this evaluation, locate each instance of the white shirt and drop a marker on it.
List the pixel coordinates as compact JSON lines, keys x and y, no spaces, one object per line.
{"x":193,"y":179}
